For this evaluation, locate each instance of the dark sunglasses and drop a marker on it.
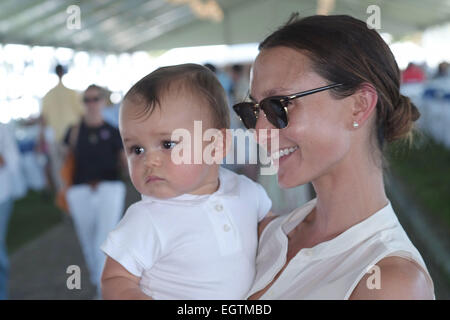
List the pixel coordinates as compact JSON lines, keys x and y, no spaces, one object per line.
{"x":93,"y":99}
{"x":275,"y":108}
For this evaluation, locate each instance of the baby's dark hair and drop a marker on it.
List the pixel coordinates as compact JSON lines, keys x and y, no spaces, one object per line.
{"x":199,"y":80}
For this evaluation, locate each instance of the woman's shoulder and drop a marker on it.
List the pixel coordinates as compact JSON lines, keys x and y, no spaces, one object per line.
{"x":403,"y":273}
{"x":399,"y":278}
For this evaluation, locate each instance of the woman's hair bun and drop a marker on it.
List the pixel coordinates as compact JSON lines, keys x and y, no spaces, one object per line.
{"x":399,"y":122}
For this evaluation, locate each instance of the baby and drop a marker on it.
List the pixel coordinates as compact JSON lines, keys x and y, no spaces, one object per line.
{"x":194,"y":233}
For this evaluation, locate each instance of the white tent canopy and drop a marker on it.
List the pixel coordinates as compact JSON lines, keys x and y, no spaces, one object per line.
{"x":131,"y":25}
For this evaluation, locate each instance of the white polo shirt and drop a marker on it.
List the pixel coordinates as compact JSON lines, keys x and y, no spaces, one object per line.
{"x":191,"y":246}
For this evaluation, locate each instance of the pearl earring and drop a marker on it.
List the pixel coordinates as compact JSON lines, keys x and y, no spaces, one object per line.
{"x":355,"y":124}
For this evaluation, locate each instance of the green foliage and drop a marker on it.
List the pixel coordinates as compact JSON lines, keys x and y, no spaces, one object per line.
{"x":424,"y":166}
{"x":32,"y":216}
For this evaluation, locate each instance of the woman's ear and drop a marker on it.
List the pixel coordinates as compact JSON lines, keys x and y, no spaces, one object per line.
{"x":366,"y":98}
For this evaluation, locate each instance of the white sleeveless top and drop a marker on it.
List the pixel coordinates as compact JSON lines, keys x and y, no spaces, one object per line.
{"x":331,"y":269}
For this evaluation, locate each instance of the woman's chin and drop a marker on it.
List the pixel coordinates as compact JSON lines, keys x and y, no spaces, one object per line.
{"x":286,"y":181}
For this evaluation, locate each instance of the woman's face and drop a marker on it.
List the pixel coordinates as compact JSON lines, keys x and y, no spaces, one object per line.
{"x":319,"y":125}
{"x":93,"y":101}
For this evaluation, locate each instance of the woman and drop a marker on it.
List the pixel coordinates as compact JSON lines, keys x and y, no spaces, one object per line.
{"x":331,"y":87}
{"x":96,"y":198}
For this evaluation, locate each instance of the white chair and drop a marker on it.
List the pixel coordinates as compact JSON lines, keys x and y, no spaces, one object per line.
{"x":33,"y":171}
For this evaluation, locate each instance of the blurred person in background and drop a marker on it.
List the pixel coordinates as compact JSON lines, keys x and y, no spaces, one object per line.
{"x":61,"y":107}
{"x":238,"y":92}
{"x":111,"y":110}
{"x":224,"y":79}
{"x":443,"y":70}
{"x":9,"y":174}
{"x":111,"y":114}
{"x":413,"y":74}
{"x":240,"y":85}
{"x":96,"y":198}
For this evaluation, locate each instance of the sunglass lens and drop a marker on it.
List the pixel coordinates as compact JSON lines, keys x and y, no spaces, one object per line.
{"x":275,"y":113}
{"x":245,"y":112}
{"x":94,"y":99}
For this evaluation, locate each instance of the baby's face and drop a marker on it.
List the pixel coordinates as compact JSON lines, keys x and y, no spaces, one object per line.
{"x":148,"y":145}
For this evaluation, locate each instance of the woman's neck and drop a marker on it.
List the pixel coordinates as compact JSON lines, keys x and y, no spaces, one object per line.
{"x":352,"y":192}
{"x":93,"y":120}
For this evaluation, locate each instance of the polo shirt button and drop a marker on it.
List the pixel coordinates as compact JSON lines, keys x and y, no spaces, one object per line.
{"x":218,"y":207}
{"x":226,"y":228}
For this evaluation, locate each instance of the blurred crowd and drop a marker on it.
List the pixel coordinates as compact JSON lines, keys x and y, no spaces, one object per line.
{"x":430,"y":92}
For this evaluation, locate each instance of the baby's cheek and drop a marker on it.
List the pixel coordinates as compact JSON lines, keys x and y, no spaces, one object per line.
{"x":181,"y":173}
{"x":183,"y":176}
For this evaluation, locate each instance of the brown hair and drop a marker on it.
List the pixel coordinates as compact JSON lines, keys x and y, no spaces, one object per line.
{"x":101,"y":90}
{"x":198,"y":79}
{"x":344,"y":50}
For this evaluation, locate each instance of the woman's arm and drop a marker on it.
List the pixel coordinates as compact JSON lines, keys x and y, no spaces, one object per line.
{"x":400,"y":279}
{"x":119,"y":284}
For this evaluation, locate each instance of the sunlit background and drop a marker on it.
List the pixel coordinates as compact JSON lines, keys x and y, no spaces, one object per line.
{"x":27,"y":72}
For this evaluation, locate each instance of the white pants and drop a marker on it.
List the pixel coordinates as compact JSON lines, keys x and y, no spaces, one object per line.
{"x":95,"y":213}
{"x":33,"y":171}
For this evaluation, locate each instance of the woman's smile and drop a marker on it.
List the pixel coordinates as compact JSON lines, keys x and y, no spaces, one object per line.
{"x":284,"y":157}
{"x":284,"y":152}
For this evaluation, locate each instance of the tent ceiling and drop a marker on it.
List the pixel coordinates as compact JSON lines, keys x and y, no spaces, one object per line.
{"x":129,"y":25}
